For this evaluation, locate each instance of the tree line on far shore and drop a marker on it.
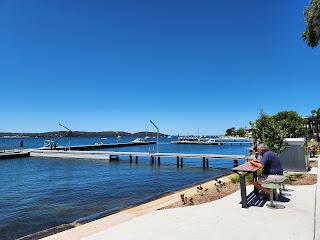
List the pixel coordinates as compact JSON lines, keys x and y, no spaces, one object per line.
{"x":80,"y":134}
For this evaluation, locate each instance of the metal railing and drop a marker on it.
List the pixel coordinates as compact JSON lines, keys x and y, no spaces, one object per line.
{"x":9,"y":148}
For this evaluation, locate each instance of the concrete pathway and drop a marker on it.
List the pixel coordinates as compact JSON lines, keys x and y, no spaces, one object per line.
{"x":221,"y":219}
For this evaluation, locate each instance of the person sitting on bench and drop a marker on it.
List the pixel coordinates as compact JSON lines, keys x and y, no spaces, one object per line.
{"x":313,"y":148}
{"x":272,"y":171}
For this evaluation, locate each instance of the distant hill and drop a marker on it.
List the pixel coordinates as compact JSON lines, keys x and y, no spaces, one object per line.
{"x":78,"y":134}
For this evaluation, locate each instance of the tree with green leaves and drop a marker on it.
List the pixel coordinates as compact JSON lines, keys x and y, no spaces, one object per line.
{"x":272,"y":130}
{"x":312,"y":19}
{"x":230,"y":131}
{"x":241,"y":132}
{"x":292,"y":124}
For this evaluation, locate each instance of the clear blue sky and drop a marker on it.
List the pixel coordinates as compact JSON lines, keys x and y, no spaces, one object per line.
{"x":188,"y":65}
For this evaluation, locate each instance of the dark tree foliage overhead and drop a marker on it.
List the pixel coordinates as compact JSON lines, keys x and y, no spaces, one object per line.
{"x":312,"y":19}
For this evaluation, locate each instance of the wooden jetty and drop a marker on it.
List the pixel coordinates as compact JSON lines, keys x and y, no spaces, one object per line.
{"x":154,"y":157}
{"x":218,"y":143}
{"x":178,"y":156}
{"x":72,"y":154}
{"x":101,"y":146}
{"x":7,"y":154}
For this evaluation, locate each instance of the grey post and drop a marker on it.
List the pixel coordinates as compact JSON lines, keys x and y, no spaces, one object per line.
{"x":70,"y":132}
{"x":157,"y":135}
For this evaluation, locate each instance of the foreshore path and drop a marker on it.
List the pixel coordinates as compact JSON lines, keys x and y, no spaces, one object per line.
{"x":222,"y":219}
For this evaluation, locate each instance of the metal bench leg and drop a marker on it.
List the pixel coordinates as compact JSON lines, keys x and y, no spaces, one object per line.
{"x":271,"y":204}
{"x":283,"y":188}
{"x":272,"y":187}
{"x":275,"y":194}
{"x":243,"y":190}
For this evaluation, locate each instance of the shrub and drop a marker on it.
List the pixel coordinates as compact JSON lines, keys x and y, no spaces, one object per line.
{"x":235,"y":178}
{"x":219,"y":184}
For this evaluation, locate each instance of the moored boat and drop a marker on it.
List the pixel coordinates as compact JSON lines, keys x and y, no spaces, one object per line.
{"x":138,"y":140}
{"x":49,"y":144}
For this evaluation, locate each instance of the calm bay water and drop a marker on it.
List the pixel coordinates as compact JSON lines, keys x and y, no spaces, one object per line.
{"x":40,"y":193}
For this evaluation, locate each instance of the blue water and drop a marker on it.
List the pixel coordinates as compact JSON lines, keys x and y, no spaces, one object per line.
{"x":40,"y":193}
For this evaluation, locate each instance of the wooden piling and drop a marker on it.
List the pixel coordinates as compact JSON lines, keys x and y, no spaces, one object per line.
{"x":235,"y":163}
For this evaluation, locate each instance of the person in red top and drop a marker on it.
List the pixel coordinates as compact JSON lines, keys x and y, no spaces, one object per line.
{"x":272,"y":171}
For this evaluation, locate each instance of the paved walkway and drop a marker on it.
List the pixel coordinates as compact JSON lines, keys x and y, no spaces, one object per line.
{"x":222,"y":219}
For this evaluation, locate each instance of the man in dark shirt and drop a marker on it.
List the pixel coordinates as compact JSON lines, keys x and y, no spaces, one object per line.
{"x":271,"y":168}
{"x":21,"y":146}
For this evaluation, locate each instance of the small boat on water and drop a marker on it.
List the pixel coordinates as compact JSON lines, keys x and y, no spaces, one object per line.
{"x":98,"y":144}
{"x":49,"y":144}
{"x":213,"y":141}
{"x":138,"y":140}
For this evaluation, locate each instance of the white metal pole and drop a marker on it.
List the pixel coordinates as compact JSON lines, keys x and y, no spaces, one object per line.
{"x":69,"y":135}
{"x":158,"y":150}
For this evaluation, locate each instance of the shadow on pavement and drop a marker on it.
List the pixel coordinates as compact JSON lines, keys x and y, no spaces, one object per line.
{"x":260,"y":199}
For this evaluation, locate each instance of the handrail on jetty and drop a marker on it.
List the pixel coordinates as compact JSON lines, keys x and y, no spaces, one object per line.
{"x":9,"y":148}
{"x":110,"y":155}
{"x":179,"y":156}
